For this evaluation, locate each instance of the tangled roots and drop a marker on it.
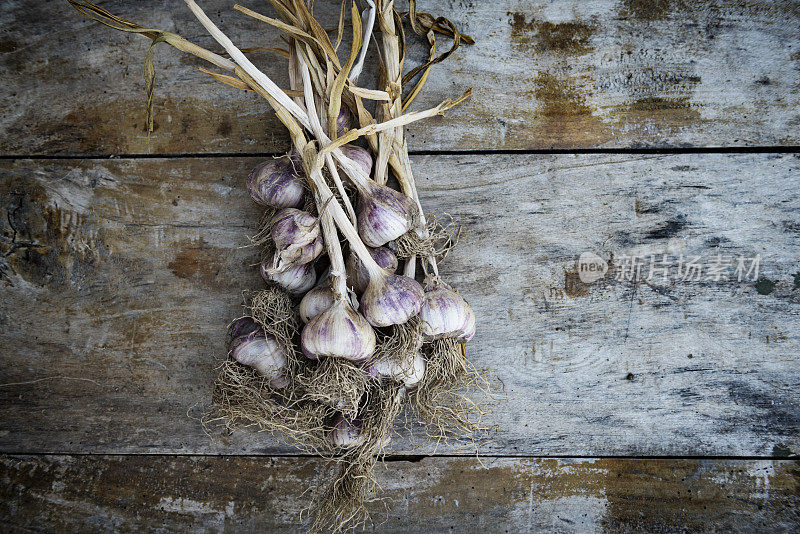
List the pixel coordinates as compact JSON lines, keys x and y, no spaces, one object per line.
{"x":343,"y":502}
{"x":441,"y":237}
{"x":335,"y":382}
{"x":453,"y":395}
{"x":243,"y":398}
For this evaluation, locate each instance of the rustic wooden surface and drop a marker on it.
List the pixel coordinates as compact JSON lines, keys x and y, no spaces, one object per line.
{"x":246,"y":494}
{"x":669,"y":405}
{"x":612,"y":73}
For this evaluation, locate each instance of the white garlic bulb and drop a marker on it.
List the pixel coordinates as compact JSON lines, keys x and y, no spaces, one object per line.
{"x":339,"y":332}
{"x":445,"y":314}
{"x":260,"y":352}
{"x":278,"y":183}
{"x":409,"y":371}
{"x":346,"y":433}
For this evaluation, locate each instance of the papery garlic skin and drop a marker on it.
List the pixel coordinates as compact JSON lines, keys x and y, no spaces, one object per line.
{"x":393,"y":299}
{"x":445,"y":314}
{"x":295,"y":280}
{"x":384,"y":215}
{"x":316,"y":301}
{"x":361,"y":156}
{"x":410,"y":371}
{"x":297,"y":238}
{"x":338,"y":332}
{"x":344,"y":121}
{"x":357,"y":274}
{"x":278,"y":183}
{"x":260,"y":352}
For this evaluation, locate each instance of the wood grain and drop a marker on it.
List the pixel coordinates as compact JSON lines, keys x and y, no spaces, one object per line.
{"x":119,"y":277}
{"x":565,"y":74}
{"x":247,"y":494}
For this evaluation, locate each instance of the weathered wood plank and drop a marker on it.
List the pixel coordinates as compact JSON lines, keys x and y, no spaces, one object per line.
{"x":120,"y":275}
{"x":213,"y":494}
{"x":566,"y":74}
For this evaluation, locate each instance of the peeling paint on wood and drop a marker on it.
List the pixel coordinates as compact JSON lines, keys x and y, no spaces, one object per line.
{"x":119,"y":277}
{"x":215,"y":494}
{"x":562,"y":74}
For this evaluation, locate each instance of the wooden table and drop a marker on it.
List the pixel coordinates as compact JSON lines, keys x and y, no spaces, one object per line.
{"x":622,"y":128}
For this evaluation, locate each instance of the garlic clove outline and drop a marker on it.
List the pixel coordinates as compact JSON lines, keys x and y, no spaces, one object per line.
{"x":445,"y":314}
{"x":384,"y":214}
{"x":338,"y":332}
{"x":357,"y":274}
{"x":297,"y":237}
{"x":394,"y":299}
{"x":279,"y":183}
{"x":295,"y":280}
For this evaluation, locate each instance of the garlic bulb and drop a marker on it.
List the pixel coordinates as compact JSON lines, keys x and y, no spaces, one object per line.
{"x":357,"y":274}
{"x":360,"y":156}
{"x":316,"y":301}
{"x":339,"y":332}
{"x":278,"y":183}
{"x":445,"y":313}
{"x":391,"y":299}
{"x":260,"y":352}
{"x":409,"y":372}
{"x":346,"y":433}
{"x":296,"y":280}
{"x":297,"y":238}
{"x":383,"y":214}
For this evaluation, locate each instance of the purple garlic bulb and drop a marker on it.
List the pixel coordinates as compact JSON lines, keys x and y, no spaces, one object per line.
{"x":338,"y":332}
{"x":279,"y":183}
{"x":384,"y":215}
{"x":357,"y":274}
{"x":445,"y":314}
{"x":409,"y":371}
{"x":391,"y":300}
{"x":297,"y":238}
{"x":346,"y":433}
{"x":262,"y":353}
{"x":361,"y":156}
{"x":344,"y":121}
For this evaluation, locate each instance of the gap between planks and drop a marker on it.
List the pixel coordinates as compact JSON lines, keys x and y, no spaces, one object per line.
{"x":783,"y":149}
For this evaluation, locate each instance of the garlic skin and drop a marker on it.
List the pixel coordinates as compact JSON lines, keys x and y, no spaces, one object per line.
{"x":391,"y":300}
{"x":278,"y":183}
{"x":445,"y":314}
{"x":338,"y":332}
{"x":360,"y":156}
{"x":344,"y":121}
{"x":409,"y":372}
{"x":295,"y":280}
{"x":316,"y":301}
{"x":346,"y":433}
{"x":297,"y":238}
{"x":357,"y":274}
{"x":384,"y":215}
{"x":260,"y":352}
